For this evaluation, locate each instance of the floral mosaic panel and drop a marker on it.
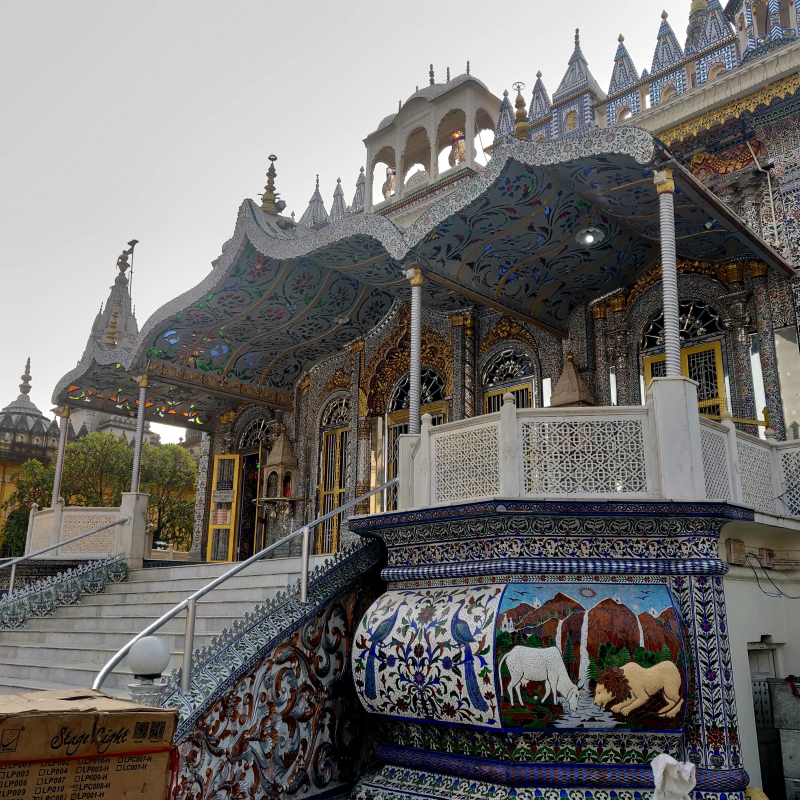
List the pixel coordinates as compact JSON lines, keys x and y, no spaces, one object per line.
{"x":429,"y":654}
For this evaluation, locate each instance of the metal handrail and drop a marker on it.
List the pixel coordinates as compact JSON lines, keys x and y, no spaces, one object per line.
{"x":14,"y":561}
{"x":190,"y":603}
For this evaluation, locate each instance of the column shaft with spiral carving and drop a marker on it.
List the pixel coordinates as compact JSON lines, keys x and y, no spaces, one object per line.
{"x":766,"y":348}
{"x":470,"y":377}
{"x":669,"y":272}
{"x":415,"y":361}
{"x":603,"y":390}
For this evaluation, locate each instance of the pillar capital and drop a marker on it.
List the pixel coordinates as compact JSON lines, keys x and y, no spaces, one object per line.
{"x":758,"y":269}
{"x":143,"y":382}
{"x":414,"y":275}
{"x":663,"y":181}
{"x":599,"y":311}
{"x":617,"y":303}
{"x":732,"y":273}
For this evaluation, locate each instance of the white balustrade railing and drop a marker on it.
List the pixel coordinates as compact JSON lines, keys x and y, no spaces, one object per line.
{"x":52,"y":525}
{"x":653,"y":451}
{"x":584,"y":452}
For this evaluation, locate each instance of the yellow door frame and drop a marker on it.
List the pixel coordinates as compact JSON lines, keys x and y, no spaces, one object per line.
{"x":232,"y":519}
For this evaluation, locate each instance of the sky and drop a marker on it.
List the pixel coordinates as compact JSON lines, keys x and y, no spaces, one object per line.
{"x":154,"y":120}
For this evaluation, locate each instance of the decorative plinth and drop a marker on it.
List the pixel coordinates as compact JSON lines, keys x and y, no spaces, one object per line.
{"x":557,"y":645}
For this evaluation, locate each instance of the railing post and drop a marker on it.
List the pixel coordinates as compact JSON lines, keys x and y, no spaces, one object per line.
{"x":62,"y":446}
{"x":304,"y":565}
{"x":188,"y":645}
{"x":509,"y":448}
{"x":11,"y":580}
{"x":734,"y":470}
{"x":423,"y":465}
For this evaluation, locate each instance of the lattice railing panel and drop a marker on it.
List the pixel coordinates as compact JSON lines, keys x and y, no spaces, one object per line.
{"x":715,"y":464}
{"x":755,"y":464}
{"x":584,"y":457}
{"x":76,"y":523}
{"x":790,"y":466}
{"x":466,"y":464}
{"x":42,"y":533}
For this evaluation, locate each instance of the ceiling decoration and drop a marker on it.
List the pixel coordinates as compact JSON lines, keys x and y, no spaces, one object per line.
{"x":281,"y":298}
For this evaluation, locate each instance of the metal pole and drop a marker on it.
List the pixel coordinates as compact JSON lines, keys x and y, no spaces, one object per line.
{"x":137,"y":444}
{"x":62,"y":445}
{"x":11,"y":579}
{"x":415,"y":367}
{"x":304,"y":565}
{"x":669,"y":272}
{"x":188,"y":645}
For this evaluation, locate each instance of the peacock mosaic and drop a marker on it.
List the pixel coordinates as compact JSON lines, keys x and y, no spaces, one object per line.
{"x":526,"y":657}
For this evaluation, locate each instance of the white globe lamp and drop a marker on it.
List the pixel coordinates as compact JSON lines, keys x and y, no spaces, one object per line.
{"x":148,"y":658}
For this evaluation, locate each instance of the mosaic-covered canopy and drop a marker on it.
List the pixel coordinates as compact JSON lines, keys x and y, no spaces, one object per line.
{"x":281,"y":297}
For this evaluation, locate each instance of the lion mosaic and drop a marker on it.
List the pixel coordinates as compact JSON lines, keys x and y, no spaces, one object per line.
{"x":632,"y":685}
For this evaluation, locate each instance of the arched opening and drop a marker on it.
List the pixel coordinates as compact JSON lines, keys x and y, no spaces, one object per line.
{"x":433,"y":401}
{"x":786,"y":14}
{"x":702,"y":330}
{"x":716,"y":71}
{"x":623,"y":114}
{"x":272,"y":485}
{"x":541,"y":138}
{"x":333,"y":469}
{"x":483,"y":122}
{"x":509,"y":369}
{"x":668,"y":92}
{"x":287,"y":485}
{"x":451,"y":141}
{"x":760,"y":13}
{"x":417,"y":152}
{"x":383,"y":175}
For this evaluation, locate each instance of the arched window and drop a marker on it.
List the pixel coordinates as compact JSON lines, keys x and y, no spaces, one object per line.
{"x":272,"y":485}
{"x":701,"y":330}
{"x":432,"y":388}
{"x":716,"y":71}
{"x":509,"y":370}
{"x":256,"y":432}
{"x":760,"y":13}
{"x":333,"y":470}
{"x":624,"y":113}
{"x":667,"y":93}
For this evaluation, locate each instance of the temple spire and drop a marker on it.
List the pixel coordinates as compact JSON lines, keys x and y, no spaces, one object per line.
{"x":541,"y":106}
{"x":25,"y":386}
{"x":358,"y":197}
{"x":338,"y":209}
{"x":624,"y":74}
{"x":504,"y":132}
{"x":522,"y":128}
{"x":668,"y":52}
{"x":268,"y":198}
{"x":578,"y":77}
{"x":315,"y":215}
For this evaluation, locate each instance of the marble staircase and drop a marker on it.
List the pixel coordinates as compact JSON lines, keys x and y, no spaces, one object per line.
{"x":70,"y":647}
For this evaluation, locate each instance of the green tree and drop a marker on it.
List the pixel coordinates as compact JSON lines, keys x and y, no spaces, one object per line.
{"x":97,"y":470}
{"x":569,"y":656}
{"x":551,"y":642}
{"x":169,"y":476}
{"x":533,"y":641}
{"x":666,"y":655}
{"x":592,"y":671}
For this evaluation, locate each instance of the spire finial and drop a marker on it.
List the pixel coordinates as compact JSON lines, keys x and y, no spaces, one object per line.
{"x":620,"y":38}
{"x":399,"y":104}
{"x":448,"y":74}
{"x":431,"y":74}
{"x":467,"y":67}
{"x":25,"y":386}
{"x":317,"y":182}
{"x":362,"y":169}
{"x":268,"y":198}
{"x":577,"y":39}
{"x":522,"y":128}
{"x":664,"y":14}
{"x":539,"y":74}
{"x":505,"y":92}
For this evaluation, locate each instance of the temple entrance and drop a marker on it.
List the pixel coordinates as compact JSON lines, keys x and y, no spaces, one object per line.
{"x":250,"y":524}
{"x":333,"y":472}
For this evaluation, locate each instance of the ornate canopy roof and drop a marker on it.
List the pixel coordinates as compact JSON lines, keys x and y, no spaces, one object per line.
{"x":282,"y":297}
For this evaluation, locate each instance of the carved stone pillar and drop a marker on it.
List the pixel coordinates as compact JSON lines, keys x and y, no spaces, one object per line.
{"x":617,"y":340}
{"x":743,"y":400}
{"x":457,"y":343}
{"x":363,"y":466}
{"x":202,"y":497}
{"x":356,"y":412}
{"x":603,"y":383}
{"x":303,"y":421}
{"x":766,"y":348}
{"x":470,"y":365}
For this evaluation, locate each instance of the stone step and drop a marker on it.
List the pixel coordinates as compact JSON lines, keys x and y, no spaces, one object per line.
{"x":67,"y":654}
{"x":113,"y":638}
{"x":152,"y":611}
{"x":65,"y":673}
{"x":246,"y":594}
{"x":21,"y":685}
{"x":205,"y":622}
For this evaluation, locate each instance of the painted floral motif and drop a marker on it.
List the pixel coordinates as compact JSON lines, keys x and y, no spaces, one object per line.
{"x":428,"y":654}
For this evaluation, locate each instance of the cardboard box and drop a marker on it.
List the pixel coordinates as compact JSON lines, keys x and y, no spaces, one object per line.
{"x":82,"y":744}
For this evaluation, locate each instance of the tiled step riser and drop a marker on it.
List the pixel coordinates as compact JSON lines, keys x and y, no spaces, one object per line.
{"x":184,"y":587}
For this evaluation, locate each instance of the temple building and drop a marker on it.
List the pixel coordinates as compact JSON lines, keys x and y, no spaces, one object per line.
{"x":560,"y":388}
{"x":25,"y":433}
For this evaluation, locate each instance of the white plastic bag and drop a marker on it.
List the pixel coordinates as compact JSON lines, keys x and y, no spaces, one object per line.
{"x":674,"y":779}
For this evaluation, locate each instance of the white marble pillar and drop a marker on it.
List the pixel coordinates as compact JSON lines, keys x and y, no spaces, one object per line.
{"x":415,"y":361}
{"x":137,"y":443}
{"x":62,"y":446}
{"x":669,"y":271}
